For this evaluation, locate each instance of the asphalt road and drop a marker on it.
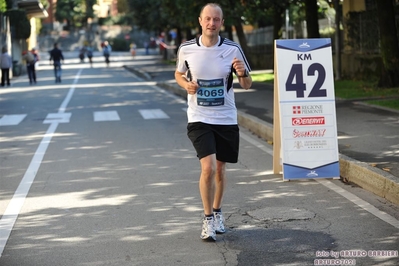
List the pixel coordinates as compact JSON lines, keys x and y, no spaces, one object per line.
{"x":98,"y":170}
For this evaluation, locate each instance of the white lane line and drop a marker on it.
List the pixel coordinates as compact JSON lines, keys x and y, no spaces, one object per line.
{"x":106,"y":116}
{"x":153,"y":114}
{"x":14,"y":207}
{"x":344,"y":193}
{"x":11,"y":120}
{"x":70,"y":93}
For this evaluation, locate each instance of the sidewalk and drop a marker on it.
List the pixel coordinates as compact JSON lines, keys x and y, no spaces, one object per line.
{"x":368,"y":136}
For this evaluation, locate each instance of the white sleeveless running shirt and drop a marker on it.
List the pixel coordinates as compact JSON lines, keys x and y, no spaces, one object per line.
{"x":211,"y":68}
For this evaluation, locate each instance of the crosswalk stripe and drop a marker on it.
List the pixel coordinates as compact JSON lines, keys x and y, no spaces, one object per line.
{"x":153,"y":114}
{"x":106,"y":116}
{"x":99,"y":116}
{"x":57,"y":118}
{"x":11,"y":120}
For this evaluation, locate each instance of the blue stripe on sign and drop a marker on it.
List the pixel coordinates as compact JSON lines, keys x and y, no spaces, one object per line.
{"x":325,"y":171}
{"x":303,"y":45}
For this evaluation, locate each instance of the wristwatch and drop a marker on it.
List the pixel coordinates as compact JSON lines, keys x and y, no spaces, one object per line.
{"x":245,"y":74}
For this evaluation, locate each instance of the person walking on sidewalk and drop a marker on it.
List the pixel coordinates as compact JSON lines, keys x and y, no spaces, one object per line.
{"x":56,"y":56}
{"x":204,"y":68}
{"x":6,"y":65}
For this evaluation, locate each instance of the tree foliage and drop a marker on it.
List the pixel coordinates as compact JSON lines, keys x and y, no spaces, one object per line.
{"x":74,"y":12}
{"x":389,"y":43}
{"x":123,"y":7}
{"x":19,"y":23}
{"x":161,"y":15}
{"x":89,"y":8}
{"x":3,"y":6}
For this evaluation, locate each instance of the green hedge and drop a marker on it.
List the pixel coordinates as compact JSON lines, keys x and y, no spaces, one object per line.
{"x":119,"y":44}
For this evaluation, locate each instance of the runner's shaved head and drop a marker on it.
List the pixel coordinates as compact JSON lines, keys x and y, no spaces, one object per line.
{"x":214,"y":5}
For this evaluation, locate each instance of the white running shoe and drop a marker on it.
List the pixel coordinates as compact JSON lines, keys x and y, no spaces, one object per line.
{"x":219,"y":223}
{"x":208,"y":229}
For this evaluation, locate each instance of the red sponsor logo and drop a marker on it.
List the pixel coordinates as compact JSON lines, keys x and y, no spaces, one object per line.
{"x":308,"y":121}
{"x":315,"y":133}
{"x":296,"y":110}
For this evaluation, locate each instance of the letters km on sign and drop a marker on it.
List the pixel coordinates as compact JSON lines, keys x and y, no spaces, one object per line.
{"x":305,"y":128}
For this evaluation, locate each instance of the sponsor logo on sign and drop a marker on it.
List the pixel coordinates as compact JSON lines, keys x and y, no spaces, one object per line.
{"x":310,"y":144}
{"x":312,"y":174}
{"x":298,"y":144}
{"x":314,"y":133}
{"x":316,"y":144}
{"x":304,"y":45}
{"x":307,"y":109}
{"x":308,"y":121}
{"x":296,"y":110}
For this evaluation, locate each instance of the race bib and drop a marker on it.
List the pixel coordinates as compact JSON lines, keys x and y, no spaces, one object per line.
{"x":210,"y":93}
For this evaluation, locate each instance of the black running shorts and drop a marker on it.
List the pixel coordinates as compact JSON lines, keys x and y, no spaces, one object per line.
{"x":222,"y":140}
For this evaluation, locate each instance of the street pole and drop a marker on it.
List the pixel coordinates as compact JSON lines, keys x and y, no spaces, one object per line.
{"x":287,"y":23}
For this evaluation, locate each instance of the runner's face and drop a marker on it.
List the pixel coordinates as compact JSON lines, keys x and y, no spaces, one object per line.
{"x":211,"y":21}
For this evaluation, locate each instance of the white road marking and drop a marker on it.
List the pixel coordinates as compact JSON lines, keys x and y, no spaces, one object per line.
{"x":13,"y":209}
{"x":106,"y":116}
{"x":361,"y":203}
{"x":344,"y":193}
{"x":153,"y":114}
{"x":57,"y":118}
{"x":11,"y":120}
{"x":256,"y":143}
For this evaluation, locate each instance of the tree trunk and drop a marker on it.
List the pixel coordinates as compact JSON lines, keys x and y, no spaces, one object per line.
{"x":312,"y":20}
{"x":229,"y":30}
{"x":337,"y":40}
{"x":389,"y":43}
{"x":179,"y":36}
{"x":277,"y":21}
{"x":243,"y":40}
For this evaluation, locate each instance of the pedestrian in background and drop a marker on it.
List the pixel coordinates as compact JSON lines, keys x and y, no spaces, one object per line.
{"x":31,"y":58}
{"x":6,"y":65}
{"x":36,"y":59}
{"x":82,"y":53}
{"x":205,"y":68}
{"x":56,"y":56}
{"x":89,"y":53}
{"x":147,"y":47}
{"x":107,"y":49}
{"x":133,"y":48}
{"x":30,"y":65}
{"x":35,"y":56}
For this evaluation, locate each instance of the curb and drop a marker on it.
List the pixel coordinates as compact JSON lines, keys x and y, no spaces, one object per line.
{"x":369,"y":178}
